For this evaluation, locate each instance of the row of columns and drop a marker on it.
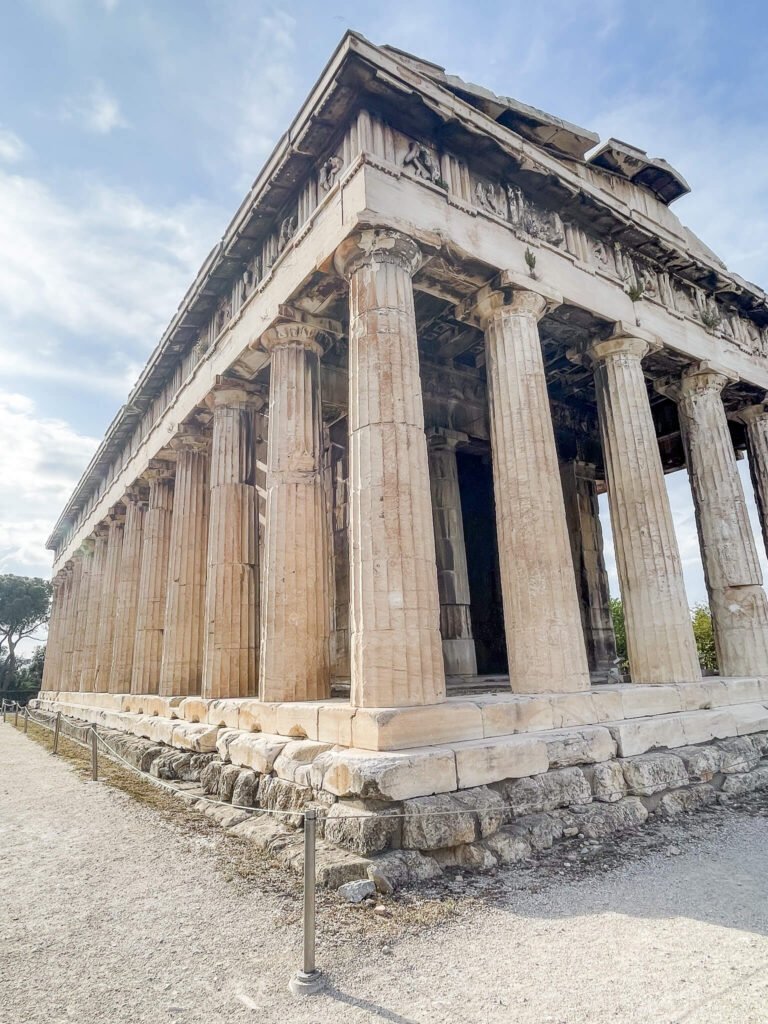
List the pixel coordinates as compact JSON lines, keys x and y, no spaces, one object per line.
{"x":165,"y":597}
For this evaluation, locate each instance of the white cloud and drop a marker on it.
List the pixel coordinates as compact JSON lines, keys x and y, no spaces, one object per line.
{"x":98,"y":111}
{"x":39,"y":468}
{"x":12,"y":149}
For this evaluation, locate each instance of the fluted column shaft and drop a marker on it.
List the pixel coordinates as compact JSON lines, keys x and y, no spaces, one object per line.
{"x":295,"y":599}
{"x":91,"y":639}
{"x":109,"y":586}
{"x":660,"y":639}
{"x":51,"y":668}
{"x":755,"y":419}
{"x":583,"y":518}
{"x":451,"y":555}
{"x":232,"y":585}
{"x":182,"y":667}
{"x":128,"y":592}
{"x":70,"y":628}
{"x":395,"y":646}
{"x":545,"y":643}
{"x":153,"y":582}
{"x":731,"y":568}
{"x":83,"y":600}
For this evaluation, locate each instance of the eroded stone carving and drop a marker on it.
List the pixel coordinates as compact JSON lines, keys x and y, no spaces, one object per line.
{"x":287,"y":231}
{"x":491,"y":198}
{"x":538,"y":223}
{"x":329,"y":172}
{"x":421,"y":160}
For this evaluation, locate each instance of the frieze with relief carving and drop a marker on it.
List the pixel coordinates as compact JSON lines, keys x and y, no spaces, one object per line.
{"x":329,"y":172}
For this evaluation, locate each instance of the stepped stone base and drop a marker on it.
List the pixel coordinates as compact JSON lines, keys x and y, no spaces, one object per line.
{"x":590,"y":763}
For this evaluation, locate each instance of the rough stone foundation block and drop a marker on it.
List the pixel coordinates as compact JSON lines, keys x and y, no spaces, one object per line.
{"x":602,"y":819}
{"x":258,"y":751}
{"x":399,"y":868}
{"x":687,"y":800}
{"x":545,"y":792}
{"x":585,"y":745}
{"x":397,"y":776}
{"x":362,"y":827}
{"x":435,"y":823}
{"x":652,"y":773}
{"x":606,"y":781}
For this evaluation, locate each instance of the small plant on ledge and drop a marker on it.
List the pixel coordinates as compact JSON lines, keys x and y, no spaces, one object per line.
{"x":530,"y":260}
{"x":635,"y":291}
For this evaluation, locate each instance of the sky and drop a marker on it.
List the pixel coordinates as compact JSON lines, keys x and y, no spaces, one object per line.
{"x":130,"y":131}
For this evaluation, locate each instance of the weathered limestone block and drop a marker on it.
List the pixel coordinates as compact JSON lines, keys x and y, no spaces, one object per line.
{"x":651,"y":773}
{"x":480,"y":762}
{"x":741,"y":784}
{"x":279,"y":795}
{"x":294,"y":660}
{"x":545,"y":641}
{"x":400,"y":868}
{"x":200,"y":738}
{"x":705,"y":726}
{"x":474,"y":856}
{"x":295,"y":755}
{"x":488,"y":807}
{"x":362,"y":826}
{"x":509,"y":847}
{"x":514,"y":714}
{"x":210,"y":776}
{"x":258,"y":751}
{"x":606,"y":781}
{"x":228,"y":778}
{"x":540,"y":830}
{"x":334,"y":867}
{"x":396,"y":776}
{"x":586,"y":745}
{"x":571,"y":709}
{"x":638,"y":735}
{"x":436,"y":822}
{"x":644,"y":701}
{"x":395,"y":647}
{"x":739,"y":755}
{"x":659,"y":634}
{"x":170,"y":765}
{"x":687,"y":800}
{"x":701,"y":763}
{"x":546,"y":792}
{"x":224,"y":741}
{"x":401,"y":728}
{"x":749,"y":718}
{"x":294,"y":718}
{"x":729,"y":555}
{"x":224,"y":713}
{"x":602,"y":819}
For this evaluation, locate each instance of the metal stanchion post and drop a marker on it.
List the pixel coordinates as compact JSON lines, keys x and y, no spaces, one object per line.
{"x":16,"y":715}
{"x":4,"y":714}
{"x":56,"y":730}
{"x":308,"y":980}
{"x":26,"y":719}
{"x":94,"y":754}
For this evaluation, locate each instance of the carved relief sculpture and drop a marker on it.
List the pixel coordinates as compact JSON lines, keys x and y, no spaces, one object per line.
{"x":421,"y":160}
{"x":329,"y":172}
{"x":287,"y":231}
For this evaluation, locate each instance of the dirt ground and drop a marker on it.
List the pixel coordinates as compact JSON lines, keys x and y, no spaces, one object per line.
{"x":121,"y":907}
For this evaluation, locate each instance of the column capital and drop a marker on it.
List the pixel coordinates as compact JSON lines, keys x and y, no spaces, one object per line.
{"x":116,"y":513}
{"x":137,"y":493}
{"x":86,"y":548}
{"x":749,"y":413}
{"x":377,"y":245}
{"x":190,"y":438}
{"x":625,"y":340}
{"x":703,"y":378}
{"x":293,"y":333}
{"x":509,"y":293}
{"x":441,"y":439}
{"x":158,"y":470}
{"x":231,"y":391}
{"x":101,"y":531}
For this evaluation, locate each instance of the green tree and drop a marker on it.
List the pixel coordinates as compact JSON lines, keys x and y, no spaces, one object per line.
{"x":24,"y":607}
{"x":703,"y":631}
{"x":620,"y":632}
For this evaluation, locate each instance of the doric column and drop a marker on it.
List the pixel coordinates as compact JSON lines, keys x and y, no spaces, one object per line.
{"x":451,"y":555}
{"x":81,"y":612}
{"x":660,"y":640}
{"x":182,"y":667}
{"x":731,"y":568}
{"x":232,"y":585}
{"x":153,"y":579}
{"x":583,"y":518}
{"x":70,"y":624}
{"x":545,"y":643}
{"x":395,"y":649}
{"x":91,"y":640}
{"x":128,"y":590}
{"x":52,"y":665}
{"x":755,"y":419}
{"x":294,"y":663}
{"x":109,"y":586}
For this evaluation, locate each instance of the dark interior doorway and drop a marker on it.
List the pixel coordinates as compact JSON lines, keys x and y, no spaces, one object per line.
{"x":476,"y":489}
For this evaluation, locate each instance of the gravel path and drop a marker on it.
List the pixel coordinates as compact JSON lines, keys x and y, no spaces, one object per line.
{"x":111,"y":914}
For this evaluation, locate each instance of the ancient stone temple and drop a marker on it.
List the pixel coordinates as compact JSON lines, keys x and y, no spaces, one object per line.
{"x":344,"y":533}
